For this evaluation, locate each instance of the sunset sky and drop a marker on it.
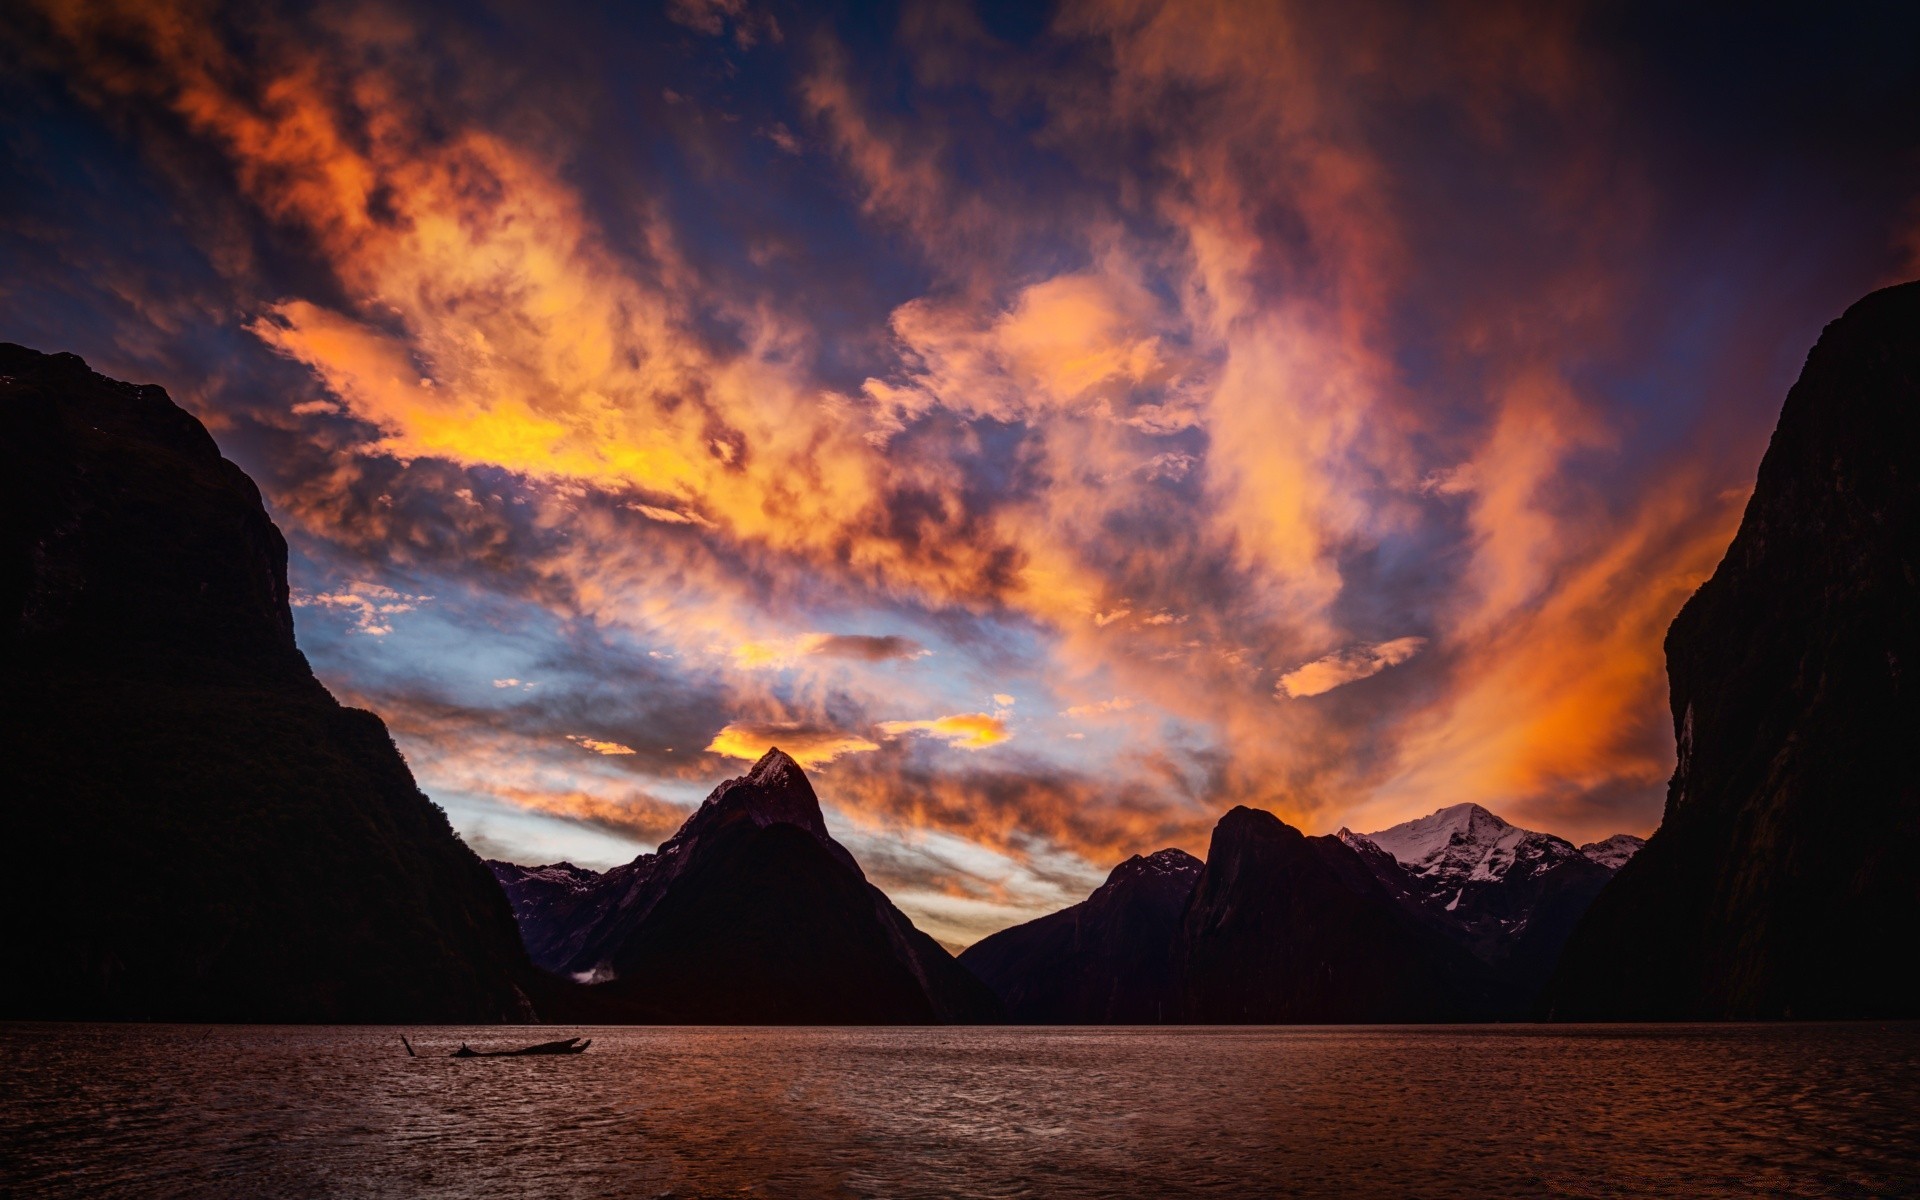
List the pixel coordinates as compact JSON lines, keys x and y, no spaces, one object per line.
{"x":1052,"y":425}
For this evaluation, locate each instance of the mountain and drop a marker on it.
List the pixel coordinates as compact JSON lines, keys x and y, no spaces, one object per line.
{"x":198,"y":830}
{"x":544,"y":900}
{"x":1782,"y":881}
{"x":1509,"y":895}
{"x":1283,"y":928}
{"x":750,"y":914}
{"x":1614,"y":852}
{"x":1108,"y":960}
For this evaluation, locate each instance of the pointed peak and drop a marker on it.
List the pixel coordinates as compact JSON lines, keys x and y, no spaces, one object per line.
{"x":1358,"y":841}
{"x":775,"y":766}
{"x":1469,"y":813}
{"x":775,"y":791}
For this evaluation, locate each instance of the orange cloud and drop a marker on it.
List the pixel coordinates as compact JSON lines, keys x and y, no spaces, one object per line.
{"x":1194,"y":404}
{"x":598,"y":746}
{"x":808,"y":745}
{"x":1322,"y":675}
{"x":968,"y":731}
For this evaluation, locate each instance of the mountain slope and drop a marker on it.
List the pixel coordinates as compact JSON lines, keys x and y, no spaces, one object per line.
{"x":750,"y":914}
{"x":1283,"y":928}
{"x":1509,"y":895}
{"x":1108,"y":960}
{"x":1783,"y":880}
{"x":200,"y":831}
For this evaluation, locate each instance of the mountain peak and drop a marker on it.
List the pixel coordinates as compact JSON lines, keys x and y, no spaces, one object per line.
{"x":1614,"y":852}
{"x":1168,"y":863}
{"x":775,"y":769}
{"x":775,"y":791}
{"x":1241,"y":821}
{"x":1465,"y":841}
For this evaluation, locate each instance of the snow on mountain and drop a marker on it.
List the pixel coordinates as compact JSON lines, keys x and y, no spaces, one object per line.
{"x":1510,"y":895}
{"x":1615,"y":851}
{"x":563,"y":876}
{"x":1467,"y":844}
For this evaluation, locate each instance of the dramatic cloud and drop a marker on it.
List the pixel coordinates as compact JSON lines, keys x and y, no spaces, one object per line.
{"x":1150,"y":368}
{"x":1344,"y":666}
{"x":968,"y":731}
{"x":809,"y":746}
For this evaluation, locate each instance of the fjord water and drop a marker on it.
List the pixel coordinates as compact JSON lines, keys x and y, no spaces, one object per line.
{"x":1732,"y":1110}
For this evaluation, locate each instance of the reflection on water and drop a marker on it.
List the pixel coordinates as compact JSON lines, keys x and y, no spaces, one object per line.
{"x":1515,"y":1111}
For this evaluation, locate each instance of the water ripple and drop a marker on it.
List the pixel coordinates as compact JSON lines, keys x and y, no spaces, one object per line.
{"x":1815,"y":1111}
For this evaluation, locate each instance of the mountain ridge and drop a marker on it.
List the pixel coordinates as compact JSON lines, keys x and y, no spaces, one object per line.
{"x":259,"y":851}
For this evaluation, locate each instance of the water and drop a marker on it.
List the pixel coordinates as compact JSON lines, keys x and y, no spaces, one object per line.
{"x":1431,"y":1112}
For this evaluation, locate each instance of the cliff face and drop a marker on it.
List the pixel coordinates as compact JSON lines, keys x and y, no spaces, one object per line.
{"x":750,"y":914}
{"x":199,"y":831}
{"x":1783,"y":880}
{"x":1108,"y":960}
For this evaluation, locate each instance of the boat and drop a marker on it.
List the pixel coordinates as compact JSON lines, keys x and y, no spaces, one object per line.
{"x":572,"y":1045}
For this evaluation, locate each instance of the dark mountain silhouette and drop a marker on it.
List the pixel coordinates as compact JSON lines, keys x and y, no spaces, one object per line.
{"x":199,"y":831}
{"x":1509,"y":895}
{"x":1108,"y":960}
{"x":1283,"y":929}
{"x":750,"y":914}
{"x":1783,"y":881}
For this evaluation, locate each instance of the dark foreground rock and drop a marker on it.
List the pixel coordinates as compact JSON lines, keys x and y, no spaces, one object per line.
{"x":197,"y":830}
{"x":1783,"y":881}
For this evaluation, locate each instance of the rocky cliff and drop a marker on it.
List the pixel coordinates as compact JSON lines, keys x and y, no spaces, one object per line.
{"x":198,"y":830}
{"x":1783,"y":880}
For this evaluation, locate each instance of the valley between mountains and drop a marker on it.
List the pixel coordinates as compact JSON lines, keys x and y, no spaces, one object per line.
{"x":258,"y":852}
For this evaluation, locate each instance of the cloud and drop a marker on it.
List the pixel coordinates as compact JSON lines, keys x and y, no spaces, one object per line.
{"x":867,"y":647}
{"x":808,"y":745}
{"x":598,"y":746}
{"x":968,"y":731}
{"x":854,"y":647}
{"x":1152,"y":359}
{"x":635,"y":815}
{"x":1322,"y":675}
{"x":669,"y":516}
{"x":1080,"y":712}
{"x":750,"y":25}
{"x":369,"y":604}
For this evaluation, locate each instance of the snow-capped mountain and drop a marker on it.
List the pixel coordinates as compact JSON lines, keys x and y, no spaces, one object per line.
{"x":1615,"y":851}
{"x":1467,"y":844}
{"x":1510,"y":895}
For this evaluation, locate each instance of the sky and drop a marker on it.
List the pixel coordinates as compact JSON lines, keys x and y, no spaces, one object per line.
{"x":1052,"y":424}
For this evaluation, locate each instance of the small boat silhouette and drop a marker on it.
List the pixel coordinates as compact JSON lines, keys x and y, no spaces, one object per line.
{"x":572,"y":1045}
